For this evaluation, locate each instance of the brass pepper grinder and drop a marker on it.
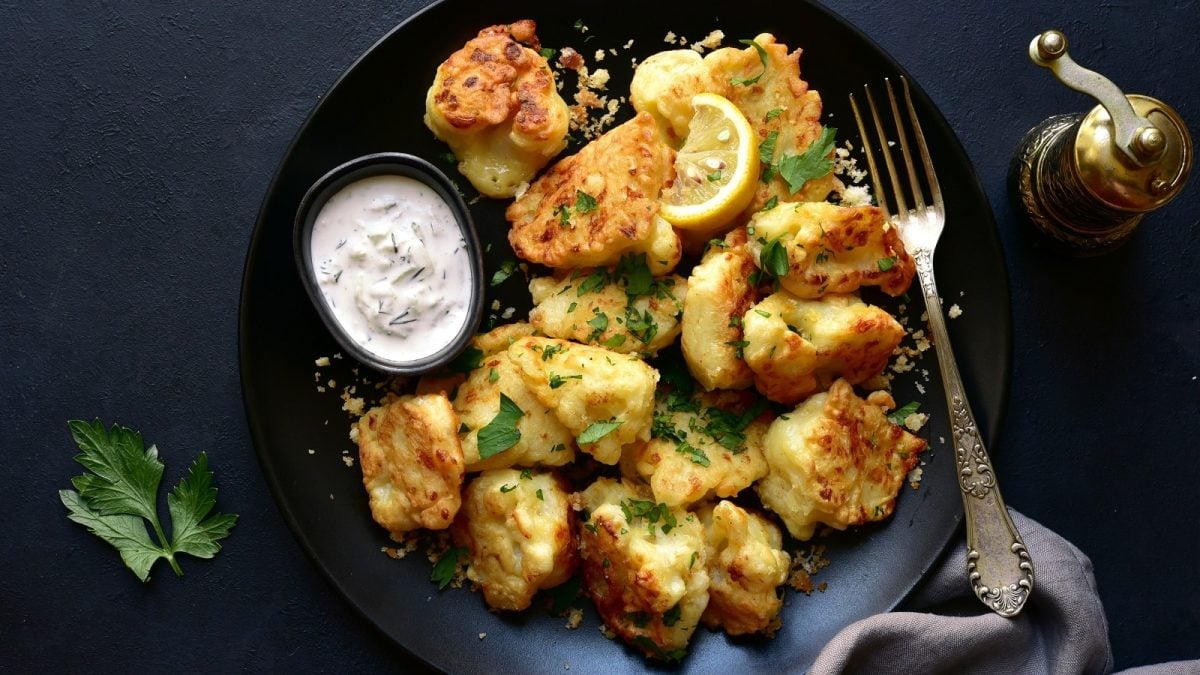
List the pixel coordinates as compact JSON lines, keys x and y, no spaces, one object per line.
{"x":1085,"y":181}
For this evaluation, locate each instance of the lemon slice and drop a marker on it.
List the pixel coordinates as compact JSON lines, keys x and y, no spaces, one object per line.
{"x":716,"y":170}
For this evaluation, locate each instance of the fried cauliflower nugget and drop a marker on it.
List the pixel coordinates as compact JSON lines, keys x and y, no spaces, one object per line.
{"x":796,"y":347}
{"x":412,"y":463}
{"x":584,"y":386}
{"x":746,"y":566}
{"x":519,"y":528}
{"x":779,"y":102}
{"x":495,"y":103}
{"x":708,"y":445}
{"x":835,"y":460}
{"x":835,"y":249}
{"x":643,"y":566}
{"x":719,"y":289}
{"x":544,"y":440}
{"x":603,"y":308}
{"x":596,"y":205}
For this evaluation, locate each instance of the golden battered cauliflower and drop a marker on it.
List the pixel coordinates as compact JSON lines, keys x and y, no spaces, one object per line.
{"x":701,"y":446}
{"x":746,"y":567}
{"x":627,"y":314}
{"x":544,"y":440}
{"x":834,"y":249}
{"x":719,"y":293}
{"x":604,"y":399}
{"x":835,"y":460}
{"x":796,"y":347}
{"x":598,"y":204}
{"x":412,"y":463}
{"x":643,"y":566}
{"x":779,"y":104}
{"x":495,"y":103}
{"x":519,"y":529}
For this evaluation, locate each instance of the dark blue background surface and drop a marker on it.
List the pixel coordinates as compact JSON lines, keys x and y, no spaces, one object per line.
{"x":138,"y":142}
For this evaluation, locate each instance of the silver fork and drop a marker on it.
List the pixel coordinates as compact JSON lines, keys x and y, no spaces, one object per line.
{"x":999,"y":568}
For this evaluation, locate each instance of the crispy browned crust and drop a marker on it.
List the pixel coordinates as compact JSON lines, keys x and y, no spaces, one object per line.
{"x":412,"y":462}
{"x":495,"y":77}
{"x":624,"y":170}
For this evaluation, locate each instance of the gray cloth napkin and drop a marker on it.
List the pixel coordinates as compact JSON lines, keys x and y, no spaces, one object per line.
{"x":1062,"y":628}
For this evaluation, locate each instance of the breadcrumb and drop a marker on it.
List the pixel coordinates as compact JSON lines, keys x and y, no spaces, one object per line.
{"x":955,"y":311}
{"x":322,"y":362}
{"x":574,"y":618}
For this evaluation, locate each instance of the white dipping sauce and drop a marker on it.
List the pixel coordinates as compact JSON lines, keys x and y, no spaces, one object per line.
{"x":393,"y":266}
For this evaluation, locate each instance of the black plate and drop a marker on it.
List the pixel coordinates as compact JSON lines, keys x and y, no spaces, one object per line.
{"x":377,"y":106}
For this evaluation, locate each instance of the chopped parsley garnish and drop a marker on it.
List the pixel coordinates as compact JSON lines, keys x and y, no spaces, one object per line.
{"x":585,"y":203}
{"x":596,"y":281}
{"x":812,"y":163}
{"x":652,"y":513}
{"x":641,"y":325}
{"x":557,"y":380}
{"x":506,"y":270}
{"x":449,"y":158}
{"x":526,"y":474}
{"x":467,"y":361}
{"x":599,"y":324}
{"x":885,"y":264}
{"x":547,"y":53}
{"x":714,"y":176}
{"x":551,"y":350}
{"x":446,"y":566}
{"x":772,"y":114}
{"x":507,"y":488}
{"x":771,"y":203}
{"x":564,"y":215}
{"x":762,"y":57}
{"x":671,"y":616}
{"x":766,"y":149}
{"x":763,"y":313}
{"x":739,"y":347}
{"x":636,"y":274}
{"x":597,"y":430}
{"x":540,"y":496}
{"x":501,"y":433}
{"x":900,"y":414}
{"x":571,"y":308}
{"x":493,"y":376}
{"x":773,"y":259}
{"x":614,"y":341}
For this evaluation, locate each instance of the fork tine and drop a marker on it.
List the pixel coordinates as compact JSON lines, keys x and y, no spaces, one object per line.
{"x":897,"y":191}
{"x":930,"y":174}
{"x":880,"y":197}
{"x":918,"y":196}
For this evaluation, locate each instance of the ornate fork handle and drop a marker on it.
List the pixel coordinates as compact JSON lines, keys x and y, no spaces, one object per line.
{"x":999,"y":567}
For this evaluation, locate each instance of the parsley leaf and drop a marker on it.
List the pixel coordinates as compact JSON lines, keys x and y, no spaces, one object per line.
{"x":506,"y":270}
{"x":446,"y":566}
{"x":501,"y":433}
{"x":547,"y":53}
{"x":469,"y":360}
{"x":812,"y":163}
{"x":564,"y":215}
{"x":898,"y":415}
{"x":762,"y":57}
{"x":772,"y":114}
{"x":636,"y":273}
{"x":121,"y":493}
{"x":774,"y":258}
{"x":766,"y":149}
{"x":672,"y":616}
{"x":885,"y":264}
{"x":597,"y":430}
{"x":585,"y":203}
{"x":557,"y":380}
{"x":771,"y":203}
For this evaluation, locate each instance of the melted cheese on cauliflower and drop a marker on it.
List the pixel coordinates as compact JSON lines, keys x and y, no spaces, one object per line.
{"x":412,"y":463}
{"x":574,"y":309}
{"x":700,"y":447}
{"x":835,"y":460}
{"x":643,"y":566}
{"x":519,"y":529}
{"x":796,"y":347}
{"x":746,"y":567}
{"x":496,"y":104}
{"x":544,"y":441}
{"x":835,"y":249}
{"x":718,"y":289}
{"x":583,"y":385}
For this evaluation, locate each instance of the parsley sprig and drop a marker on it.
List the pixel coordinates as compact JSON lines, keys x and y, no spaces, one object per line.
{"x":120,"y":494}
